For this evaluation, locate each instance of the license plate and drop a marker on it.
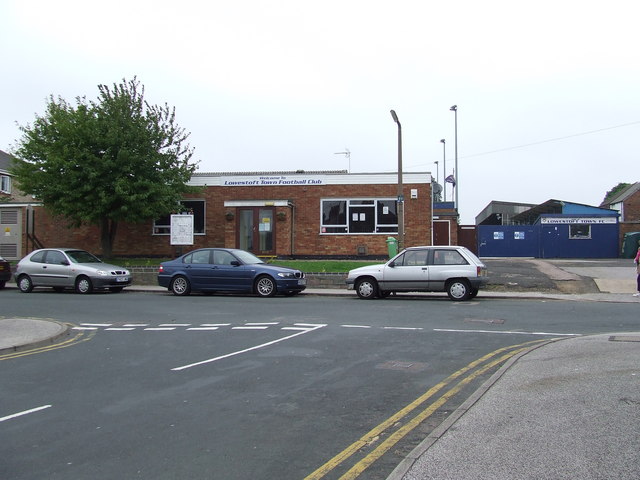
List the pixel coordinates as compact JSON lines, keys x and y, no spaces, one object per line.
{"x":122,"y":279}
{"x":302,"y":281}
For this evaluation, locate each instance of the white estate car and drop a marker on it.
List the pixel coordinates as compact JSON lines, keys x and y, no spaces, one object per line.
{"x":452,"y":269}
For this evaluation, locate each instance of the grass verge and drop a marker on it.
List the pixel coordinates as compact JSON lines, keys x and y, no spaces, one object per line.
{"x":310,"y":266}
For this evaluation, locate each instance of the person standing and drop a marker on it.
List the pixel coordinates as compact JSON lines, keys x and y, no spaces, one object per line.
{"x":637,"y":262}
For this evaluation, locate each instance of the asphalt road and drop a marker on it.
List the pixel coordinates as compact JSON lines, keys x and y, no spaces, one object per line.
{"x":153,"y":386}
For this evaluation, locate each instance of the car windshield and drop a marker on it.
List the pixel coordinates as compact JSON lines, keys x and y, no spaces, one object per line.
{"x":246,"y":257}
{"x":80,"y":256}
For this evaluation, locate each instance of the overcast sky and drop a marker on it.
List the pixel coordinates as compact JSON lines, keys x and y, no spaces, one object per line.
{"x":548,"y":92}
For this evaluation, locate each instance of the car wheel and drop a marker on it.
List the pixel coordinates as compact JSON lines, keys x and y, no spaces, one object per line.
{"x":84,"y":285}
{"x":115,"y":289}
{"x":180,"y":286}
{"x":367,"y":288}
{"x":474,"y":292}
{"x":2,"y":285}
{"x":25,"y":284}
{"x":265,"y":286}
{"x":459,"y":290}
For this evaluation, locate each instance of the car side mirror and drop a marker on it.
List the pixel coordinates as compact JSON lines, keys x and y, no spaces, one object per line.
{"x":235,"y":263}
{"x":65,"y":262}
{"x":392,"y":264}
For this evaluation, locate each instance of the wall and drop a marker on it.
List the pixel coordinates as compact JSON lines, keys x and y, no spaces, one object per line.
{"x":508,"y":240}
{"x":301,"y":224}
{"x":547,"y":241}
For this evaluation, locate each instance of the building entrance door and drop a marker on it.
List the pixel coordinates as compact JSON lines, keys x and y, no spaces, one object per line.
{"x":256,"y":230}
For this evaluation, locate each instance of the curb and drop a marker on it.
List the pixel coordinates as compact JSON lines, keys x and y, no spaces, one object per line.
{"x":405,"y":465}
{"x":64,"y":331}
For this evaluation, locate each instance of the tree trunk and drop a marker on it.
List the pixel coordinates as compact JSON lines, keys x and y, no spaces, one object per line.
{"x":108,"y":229}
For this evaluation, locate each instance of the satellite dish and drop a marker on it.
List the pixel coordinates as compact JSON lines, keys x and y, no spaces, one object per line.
{"x":437,"y":188}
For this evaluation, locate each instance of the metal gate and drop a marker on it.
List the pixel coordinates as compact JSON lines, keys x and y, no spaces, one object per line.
{"x":10,"y":233}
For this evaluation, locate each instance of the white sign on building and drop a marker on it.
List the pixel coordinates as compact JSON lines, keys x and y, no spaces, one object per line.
{"x":181,"y":229}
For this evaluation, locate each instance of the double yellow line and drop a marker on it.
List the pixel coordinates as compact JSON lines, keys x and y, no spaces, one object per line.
{"x":79,"y":337}
{"x":481,"y":366}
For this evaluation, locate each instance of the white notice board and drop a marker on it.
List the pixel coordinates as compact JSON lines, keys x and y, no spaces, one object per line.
{"x":181,"y":229}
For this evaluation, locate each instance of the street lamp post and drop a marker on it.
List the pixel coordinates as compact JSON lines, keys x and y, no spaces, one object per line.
{"x":456,"y":175}
{"x":444,"y":169}
{"x":400,"y":195}
{"x":437,"y":171}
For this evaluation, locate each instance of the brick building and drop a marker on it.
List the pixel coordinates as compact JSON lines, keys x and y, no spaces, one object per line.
{"x":627,"y":202}
{"x":284,"y":214}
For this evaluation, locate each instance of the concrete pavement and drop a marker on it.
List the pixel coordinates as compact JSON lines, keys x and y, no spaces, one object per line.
{"x":569,"y":409}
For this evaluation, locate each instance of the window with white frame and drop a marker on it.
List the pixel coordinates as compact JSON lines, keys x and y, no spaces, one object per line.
{"x":5,"y":184}
{"x":358,"y":216}
{"x":162,"y":225}
{"x":579,"y":231}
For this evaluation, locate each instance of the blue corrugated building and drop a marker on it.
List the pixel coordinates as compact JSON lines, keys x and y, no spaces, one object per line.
{"x":554,"y":229}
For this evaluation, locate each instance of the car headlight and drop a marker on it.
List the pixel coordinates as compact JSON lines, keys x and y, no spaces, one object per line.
{"x":101,"y":272}
{"x":286,"y":275}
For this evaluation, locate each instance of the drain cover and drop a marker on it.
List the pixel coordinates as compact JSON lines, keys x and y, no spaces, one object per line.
{"x":495,"y":321}
{"x":403,"y":366}
{"x":624,"y":338}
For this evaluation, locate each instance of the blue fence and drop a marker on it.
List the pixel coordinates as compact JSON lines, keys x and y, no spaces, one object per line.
{"x":548,"y":241}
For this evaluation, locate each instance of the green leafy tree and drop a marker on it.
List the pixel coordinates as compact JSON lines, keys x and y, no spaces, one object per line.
{"x":106,"y":161}
{"x":614,"y":191}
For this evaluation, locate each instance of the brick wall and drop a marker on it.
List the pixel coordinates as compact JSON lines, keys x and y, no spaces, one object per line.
{"x":297,"y":234}
{"x":632,"y":208}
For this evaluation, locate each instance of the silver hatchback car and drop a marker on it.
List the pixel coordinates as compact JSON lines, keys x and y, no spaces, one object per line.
{"x":452,"y":269}
{"x":62,"y":268}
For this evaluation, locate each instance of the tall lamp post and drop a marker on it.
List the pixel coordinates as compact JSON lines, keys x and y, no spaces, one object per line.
{"x":437,"y":171}
{"x":444,"y":169}
{"x":456,"y":176}
{"x":400,"y":195}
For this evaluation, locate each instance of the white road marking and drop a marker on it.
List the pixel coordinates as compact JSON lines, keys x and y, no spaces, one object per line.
{"x":203,"y":328}
{"x":26,"y":412}
{"x":160,"y":329}
{"x":96,"y":324}
{"x":261,"y":323}
{"x":249,"y":328}
{"x":215,"y":325}
{"x":402,"y":328}
{"x":508,"y":332}
{"x":121,"y":329}
{"x":257,"y":347}
{"x":174,"y":325}
{"x":85,"y":328}
{"x":135,"y":325}
{"x":355,"y":326}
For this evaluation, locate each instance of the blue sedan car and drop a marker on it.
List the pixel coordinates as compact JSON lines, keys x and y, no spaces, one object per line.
{"x":228,"y":270}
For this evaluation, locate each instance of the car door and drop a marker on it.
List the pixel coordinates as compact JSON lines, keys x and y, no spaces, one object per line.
{"x":446,"y":264}
{"x":229,"y":275}
{"x":200,"y":269}
{"x":56,"y":271}
{"x":407,"y":272}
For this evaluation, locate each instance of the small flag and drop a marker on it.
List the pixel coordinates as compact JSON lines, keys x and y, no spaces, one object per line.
{"x":450,"y":179}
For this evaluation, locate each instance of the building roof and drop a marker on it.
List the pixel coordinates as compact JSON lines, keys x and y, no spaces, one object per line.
{"x":557,"y":207}
{"x":268,"y":173}
{"x":622,"y":195}
{"x":5,"y":161}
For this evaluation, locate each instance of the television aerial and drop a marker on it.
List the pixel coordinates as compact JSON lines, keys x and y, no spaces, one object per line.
{"x":347,"y":154}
